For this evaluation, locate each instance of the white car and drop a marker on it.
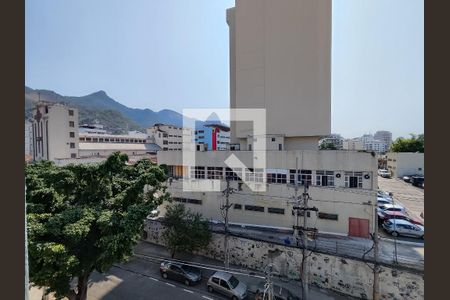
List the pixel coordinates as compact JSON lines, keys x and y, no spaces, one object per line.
{"x":384,"y":173}
{"x":382,"y":201}
{"x":391,"y":207}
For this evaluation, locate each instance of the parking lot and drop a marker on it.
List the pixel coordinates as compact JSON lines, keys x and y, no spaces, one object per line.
{"x":407,"y":195}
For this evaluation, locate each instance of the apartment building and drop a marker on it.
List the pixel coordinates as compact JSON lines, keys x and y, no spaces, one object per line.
{"x":213,"y":137}
{"x":352,"y":144}
{"x":28,"y":138}
{"x":334,"y":139}
{"x":55,"y":131}
{"x":385,"y":136}
{"x":169,"y":137}
{"x":280,"y":60}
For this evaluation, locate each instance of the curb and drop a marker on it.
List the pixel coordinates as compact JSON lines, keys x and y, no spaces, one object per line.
{"x":403,"y":242}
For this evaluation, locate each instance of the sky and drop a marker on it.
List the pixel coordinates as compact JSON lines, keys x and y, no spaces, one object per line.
{"x":173,"y":54}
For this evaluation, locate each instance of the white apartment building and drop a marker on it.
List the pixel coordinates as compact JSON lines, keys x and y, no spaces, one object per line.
{"x":280,"y":60}
{"x":28,"y":138}
{"x":335,"y":139}
{"x":405,"y":163}
{"x":385,"y":136}
{"x":55,"y":132}
{"x":168,"y":137}
{"x":353,"y":144}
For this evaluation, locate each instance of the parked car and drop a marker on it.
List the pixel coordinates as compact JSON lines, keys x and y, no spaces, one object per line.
{"x":417,"y":181}
{"x":384,"y":173}
{"x":381,"y":201}
{"x":228,"y":285}
{"x":187,"y":274}
{"x":280,"y":293}
{"x":402,"y":227}
{"x":382,"y":194}
{"x":391,"y":207}
{"x":387,"y":215}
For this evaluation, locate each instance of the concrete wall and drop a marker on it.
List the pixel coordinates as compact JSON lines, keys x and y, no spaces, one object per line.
{"x":280,"y":59}
{"x":405,"y":163}
{"x":347,"y":276}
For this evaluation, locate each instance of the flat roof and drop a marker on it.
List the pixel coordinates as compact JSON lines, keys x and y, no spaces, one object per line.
{"x":118,"y":146}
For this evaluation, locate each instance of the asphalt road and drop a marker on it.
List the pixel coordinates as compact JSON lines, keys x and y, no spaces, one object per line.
{"x":140,"y":279}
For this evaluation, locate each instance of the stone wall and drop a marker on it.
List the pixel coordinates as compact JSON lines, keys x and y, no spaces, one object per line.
{"x":347,"y":276}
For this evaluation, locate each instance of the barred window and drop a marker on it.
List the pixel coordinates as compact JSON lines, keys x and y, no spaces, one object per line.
{"x":276,"y":176}
{"x":215,"y":173}
{"x":233,"y":174}
{"x":198,"y":172}
{"x":237,"y":206}
{"x":326,"y":216}
{"x":255,"y":175}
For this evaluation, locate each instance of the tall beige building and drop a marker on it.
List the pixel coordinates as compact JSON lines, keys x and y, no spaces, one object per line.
{"x":168,"y":137}
{"x":55,"y":132}
{"x":280,"y":60}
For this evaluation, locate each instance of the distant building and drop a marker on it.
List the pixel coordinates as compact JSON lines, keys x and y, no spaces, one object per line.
{"x":371,"y":144}
{"x":213,"y":136}
{"x":28,"y":138}
{"x":55,"y":131}
{"x":385,"y":136}
{"x":92,"y":128}
{"x":405,"y":163}
{"x":168,"y":137}
{"x":352,"y":144}
{"x":334,"y":139}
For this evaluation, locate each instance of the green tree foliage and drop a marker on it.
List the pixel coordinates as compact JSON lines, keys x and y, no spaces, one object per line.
{"x":83,"y":218}
{"x":185,"y":230}
{"x":414,"y":144}
{"x":327,"y":146}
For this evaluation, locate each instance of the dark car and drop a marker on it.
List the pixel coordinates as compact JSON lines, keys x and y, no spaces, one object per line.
{"x":187,"y":274}
{"x":279,"y":292}
{"x":417,"y":180}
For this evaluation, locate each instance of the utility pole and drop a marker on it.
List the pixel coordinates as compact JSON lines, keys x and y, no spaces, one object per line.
{"x":376,"y":267}
{"x":225,"y":208}
{"x":268,"y":287}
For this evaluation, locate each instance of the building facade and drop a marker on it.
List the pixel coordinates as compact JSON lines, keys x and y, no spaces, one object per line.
{"x":280,"y":60}
{"x":405,"y":163}
{"x":55,"y":132}
{"x":213,"y":137}
{"x":385,"y":136}
{"x":353,"y":144}
{"x":334,"y":139}
{"x":169,"y":137}
{"x":28,"y":138}
{"x":342,"y":185}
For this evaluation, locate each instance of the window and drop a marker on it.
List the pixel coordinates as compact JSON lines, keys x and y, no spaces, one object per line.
{"x":214,"y":173}
{"x":215,"y":280}
{"x":72,"y":134}
{"x":165,"y":142}
{"x":194,"y":201}
{"x":276,"y":176}
{"x":71,"y":124}
{"x":305,"y":177}
{"x":198,"y":172}
{"x":325,"y":178}
{"x":250,"y":147}
{"x":280,"y":147}
{"x":70,"y":112}
{"x":224,"y":284}
{"x":274,"y":210}
{"x":232,"y":174}
{"x":72,"y":145}
{"x":326,"y":216}
{"x":237,"y":206}
{"x":255,"y":175}
{"x":254,"y":208}
{"x":73,"y":155}
{"x":165,"y":149}
{"x":273,"y":139}
{"x":353,"y":179}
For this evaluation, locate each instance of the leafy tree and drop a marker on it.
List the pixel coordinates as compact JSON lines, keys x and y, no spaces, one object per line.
{"x":414,"y":144}
{"x":185,"y":230}
{"x":327,"y":146}
{"x":83,"y":218}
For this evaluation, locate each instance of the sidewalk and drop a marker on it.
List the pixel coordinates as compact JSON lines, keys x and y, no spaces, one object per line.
{"x":315,"y":293}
